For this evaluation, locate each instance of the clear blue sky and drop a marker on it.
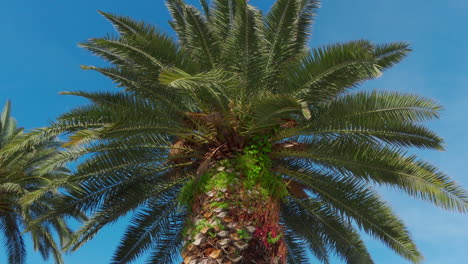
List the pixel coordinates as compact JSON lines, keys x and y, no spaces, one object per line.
{"x":39,"y":57}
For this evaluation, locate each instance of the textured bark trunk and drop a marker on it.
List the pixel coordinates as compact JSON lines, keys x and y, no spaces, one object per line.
{"x":233,"y":223}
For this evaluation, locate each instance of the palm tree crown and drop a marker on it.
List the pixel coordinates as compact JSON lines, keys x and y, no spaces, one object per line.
{"x":20,"y":177}
{"x":241,"y":89}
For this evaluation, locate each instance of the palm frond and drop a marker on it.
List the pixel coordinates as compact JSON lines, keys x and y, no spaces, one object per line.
{"x":390,"y":118}
{"x":117,"y":205}
{"x":383,"y":165}
{"x":304,"y":20}
{"x":279,"y":34}
{"x":335,"y":231}
{"x":146,"y":229}
{"x":13,"y":241}
{"x":304,"y":237}
{"x":200,"y":40}
{"x":354,"y":200}
{"x":247,"y":60}
{"x":222,"y":17}
{"x":167,"y":248}
{"x":326,"y":72}
{"x":177,"y":10}
{"x":206,"y":8}
{"x":390,"y":54}
{"x":296,"y":251}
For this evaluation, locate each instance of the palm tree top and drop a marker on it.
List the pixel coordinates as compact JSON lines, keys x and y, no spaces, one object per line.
{"x":235,"y":79}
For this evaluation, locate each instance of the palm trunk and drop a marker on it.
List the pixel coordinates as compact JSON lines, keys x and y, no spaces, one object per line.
{"x":234,"y":223}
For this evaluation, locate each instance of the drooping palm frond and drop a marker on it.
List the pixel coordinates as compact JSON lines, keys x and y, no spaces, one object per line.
{"x":14,"y":242}
{"x":149,"y":229}
{"x":297,"y":253}
{"x":383,"y":165}
{"x":315,"y":221}
{"x":354,"y":200}
{"x":167,"y":249}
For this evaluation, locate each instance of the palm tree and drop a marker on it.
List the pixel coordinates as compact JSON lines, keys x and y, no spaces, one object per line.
{"x":238,"y":144}
{"x":20,"y":176}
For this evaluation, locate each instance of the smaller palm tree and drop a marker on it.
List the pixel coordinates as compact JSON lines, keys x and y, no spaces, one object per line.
{"x":20,"y":175}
